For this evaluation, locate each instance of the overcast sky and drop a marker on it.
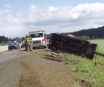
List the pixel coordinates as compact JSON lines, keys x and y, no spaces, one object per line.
{"x":18,"y":17}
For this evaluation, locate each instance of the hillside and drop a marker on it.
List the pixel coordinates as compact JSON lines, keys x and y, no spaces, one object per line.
{"x":92,"y":32}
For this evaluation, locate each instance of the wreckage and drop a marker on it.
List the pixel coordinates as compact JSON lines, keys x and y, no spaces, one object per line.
{"x":72,"y":45}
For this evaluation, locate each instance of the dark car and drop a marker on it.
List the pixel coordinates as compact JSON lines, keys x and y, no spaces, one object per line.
{"x":13,"y":45}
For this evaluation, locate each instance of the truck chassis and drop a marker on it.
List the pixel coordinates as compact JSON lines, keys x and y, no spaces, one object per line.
{"x":72,"y":45}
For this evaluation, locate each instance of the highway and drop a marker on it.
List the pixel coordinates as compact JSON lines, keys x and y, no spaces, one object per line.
{"x":9,"y":55}
{"x":10,"y":68}
{"x":33,"y":69}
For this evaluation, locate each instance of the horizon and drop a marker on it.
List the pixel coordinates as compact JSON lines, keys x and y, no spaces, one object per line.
{"x":18,"y":18}
{"x":56,"y":32}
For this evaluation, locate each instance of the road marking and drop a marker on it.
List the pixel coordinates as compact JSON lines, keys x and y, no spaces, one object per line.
{"x":8,"y":57}
{"x":8,"y":52}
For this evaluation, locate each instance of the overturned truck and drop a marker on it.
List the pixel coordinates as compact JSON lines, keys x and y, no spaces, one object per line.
{"x":72,"y":45}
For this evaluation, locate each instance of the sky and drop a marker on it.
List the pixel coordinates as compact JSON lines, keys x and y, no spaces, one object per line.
{"x":18,"y":17}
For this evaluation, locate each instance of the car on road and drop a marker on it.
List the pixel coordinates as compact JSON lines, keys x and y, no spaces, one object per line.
{"x":13,"y":45}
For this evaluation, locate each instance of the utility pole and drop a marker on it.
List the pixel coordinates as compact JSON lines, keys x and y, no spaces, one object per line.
{"x":2,"y":33}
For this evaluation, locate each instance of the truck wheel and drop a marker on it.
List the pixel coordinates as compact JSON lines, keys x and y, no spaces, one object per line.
{"x":16,"y":48}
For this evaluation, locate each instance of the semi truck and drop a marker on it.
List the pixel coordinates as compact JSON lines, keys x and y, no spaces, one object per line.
{"x":38,"y":38}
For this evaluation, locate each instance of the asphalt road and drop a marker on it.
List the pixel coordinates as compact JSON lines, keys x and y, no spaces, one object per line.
{"x":24,"y":69}
{"x":10,"y":69}
{"x":9,"y":55}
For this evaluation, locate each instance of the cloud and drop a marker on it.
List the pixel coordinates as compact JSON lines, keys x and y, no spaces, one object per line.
{"x":6,"y":9}
{"x":7,"y":6}
{"x":53,"y":19}
{"x":52,"y":15}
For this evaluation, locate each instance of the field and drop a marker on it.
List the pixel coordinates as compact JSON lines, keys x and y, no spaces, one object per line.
{"x":91,"y":71}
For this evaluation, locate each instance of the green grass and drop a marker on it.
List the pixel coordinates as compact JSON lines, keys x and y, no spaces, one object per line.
{"x":100,"y":43}
{"x":94,"y":74}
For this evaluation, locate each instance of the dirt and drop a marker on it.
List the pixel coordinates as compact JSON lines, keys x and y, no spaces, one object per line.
{"x":39,"y":76}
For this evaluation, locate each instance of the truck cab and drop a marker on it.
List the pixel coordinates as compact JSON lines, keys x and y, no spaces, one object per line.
{"x":38,"y":38}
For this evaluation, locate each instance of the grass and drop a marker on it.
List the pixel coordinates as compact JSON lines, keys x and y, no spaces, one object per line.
{"x":100,"y":43}
{"x":88,"y":71}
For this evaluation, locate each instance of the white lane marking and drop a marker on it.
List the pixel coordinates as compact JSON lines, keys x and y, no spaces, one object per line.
{"x":8,"y":57}
{"x":8,"y":52}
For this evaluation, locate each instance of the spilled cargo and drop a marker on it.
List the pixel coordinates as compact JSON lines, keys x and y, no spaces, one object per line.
{"x":72,"y":45}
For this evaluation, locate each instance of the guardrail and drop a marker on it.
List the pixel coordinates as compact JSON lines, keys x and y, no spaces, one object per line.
{"x":3,"y":48}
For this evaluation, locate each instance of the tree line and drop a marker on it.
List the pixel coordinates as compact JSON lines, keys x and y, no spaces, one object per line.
{"x":91,"y":33}
{"x":4,"y":39}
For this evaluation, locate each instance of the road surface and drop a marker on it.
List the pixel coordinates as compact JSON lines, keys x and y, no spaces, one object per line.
{"x":34,"y":69}
{"x":10,"y":55}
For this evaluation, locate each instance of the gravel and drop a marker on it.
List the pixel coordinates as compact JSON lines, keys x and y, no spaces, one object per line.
{"x":11,"y":72}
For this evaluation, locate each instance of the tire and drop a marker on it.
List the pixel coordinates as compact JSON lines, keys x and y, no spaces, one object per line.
{"x":43,"y":47}
{"x":9,"y":49}
{"x":16,"y":48}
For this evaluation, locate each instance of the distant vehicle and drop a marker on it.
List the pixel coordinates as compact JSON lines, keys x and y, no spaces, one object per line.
{"x":13,"y":45}
{"x":22,"y":44}
{"x":38,"y":38}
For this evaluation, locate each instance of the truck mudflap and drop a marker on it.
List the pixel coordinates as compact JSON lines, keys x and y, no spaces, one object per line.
{"x":72,"y":45}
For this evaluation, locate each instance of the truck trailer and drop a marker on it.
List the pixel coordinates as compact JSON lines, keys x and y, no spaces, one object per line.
{"x":72,"y":45}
